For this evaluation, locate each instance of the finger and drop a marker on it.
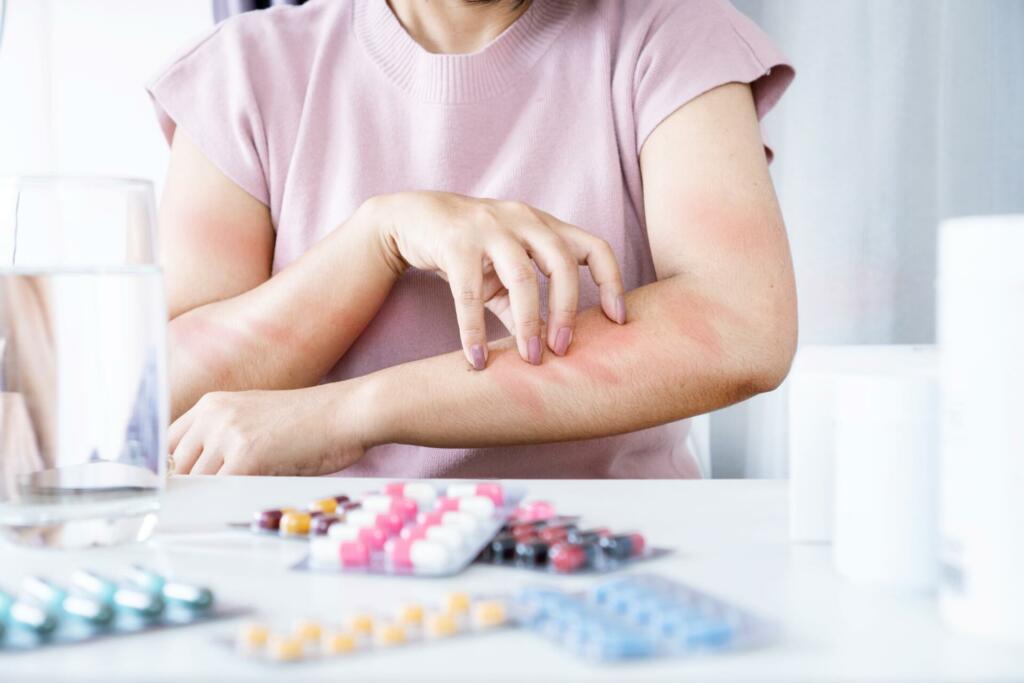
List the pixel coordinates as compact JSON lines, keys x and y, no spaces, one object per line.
{"x":516,"y":271}
{"x":465,"y":277}
{"x":501,"y":308}
{"x":178,"y":428}
{"x":188,"y":451}
{"x":552,"y":255}
{"x":597,"y":254}
{"x":232,"y":467}
{"x":209,"y":461}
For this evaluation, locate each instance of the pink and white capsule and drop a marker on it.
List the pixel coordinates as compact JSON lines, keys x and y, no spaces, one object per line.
{"x":418,"y":554}
{"x":450,"y":537}
{"x":422,"y":492}
{"x":324,"y":551}
{"x":406,"y":507}
{"x":489,"y":489}
{"x":479,"y":506}
{"x":389,"y":522}
{"x":372,"y":537}
{"x":464,"y":522}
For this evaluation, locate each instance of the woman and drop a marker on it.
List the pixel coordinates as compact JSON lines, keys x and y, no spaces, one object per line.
{"x":352,"y":183}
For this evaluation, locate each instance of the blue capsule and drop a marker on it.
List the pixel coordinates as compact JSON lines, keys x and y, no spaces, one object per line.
{"x":32,"y":617}
{"x":187,"y":595}
{"x":146,"y":579}
{"x":95,"y":585}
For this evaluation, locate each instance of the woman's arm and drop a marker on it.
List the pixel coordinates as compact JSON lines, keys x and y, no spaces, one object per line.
{"x":234,"y":327}
{"x":719,"y":327}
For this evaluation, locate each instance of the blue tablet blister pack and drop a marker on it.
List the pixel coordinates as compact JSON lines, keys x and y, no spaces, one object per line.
{"x":636,"y":617}
{"x":92,"y":607}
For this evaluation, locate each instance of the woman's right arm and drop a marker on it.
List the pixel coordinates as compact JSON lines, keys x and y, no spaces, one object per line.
{"x":232,"y":326}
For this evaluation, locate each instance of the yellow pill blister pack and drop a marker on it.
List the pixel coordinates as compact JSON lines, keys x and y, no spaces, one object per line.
{"x":410,"y":622}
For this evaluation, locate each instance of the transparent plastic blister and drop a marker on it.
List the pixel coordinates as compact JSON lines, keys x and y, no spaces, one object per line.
{"x":637,"y":617}
{"x":414,"y":528}
{"x":410,"y":623}
{"x":90,"y":607}
{"x":544,"y":541}
{"x":299,"y":524}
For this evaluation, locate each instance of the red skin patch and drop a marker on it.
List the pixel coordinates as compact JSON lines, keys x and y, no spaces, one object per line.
{"x":733,"y":228}
{"x":207,"y":341}
{"x":694,"y":316}
{"x":511,"y":374}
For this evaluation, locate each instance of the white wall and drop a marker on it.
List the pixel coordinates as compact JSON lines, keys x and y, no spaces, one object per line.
{"x":71,"y":83}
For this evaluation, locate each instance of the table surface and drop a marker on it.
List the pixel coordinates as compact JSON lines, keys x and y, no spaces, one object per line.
{"x":730,"y":538}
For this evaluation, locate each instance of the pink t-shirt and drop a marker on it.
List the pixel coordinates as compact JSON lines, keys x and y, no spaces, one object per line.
{"x":313,"y":109}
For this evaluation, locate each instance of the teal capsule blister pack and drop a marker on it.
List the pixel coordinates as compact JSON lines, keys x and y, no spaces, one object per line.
{"x":91,"y":606}
{"x":639,"y":616}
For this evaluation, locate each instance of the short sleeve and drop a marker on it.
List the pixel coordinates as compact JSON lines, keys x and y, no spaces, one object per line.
{"x":693,"y":47}
{"x":208,"y":92}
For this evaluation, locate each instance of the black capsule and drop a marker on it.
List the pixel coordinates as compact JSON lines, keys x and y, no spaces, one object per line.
{"x":616,"y":547}
{"x":532,"y":553}
{"x":592,"y":551}
{"x":503,"y":548}
{"x":586,"y":535}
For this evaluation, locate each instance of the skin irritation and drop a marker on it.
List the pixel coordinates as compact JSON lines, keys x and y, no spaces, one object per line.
{"x":213,"y":344}
{"x":734,"y":228}
{"x":602,"y":349}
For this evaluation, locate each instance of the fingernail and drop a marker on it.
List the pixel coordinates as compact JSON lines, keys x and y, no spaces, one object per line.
{"x":479,"y":357}
{"x":533,"y":350}
{"x":562,"y":340}
{"x":620,"y":309}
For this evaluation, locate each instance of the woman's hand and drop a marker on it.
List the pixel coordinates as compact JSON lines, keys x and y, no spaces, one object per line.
{"x":265,"y":432}
{"x":486,"y":250}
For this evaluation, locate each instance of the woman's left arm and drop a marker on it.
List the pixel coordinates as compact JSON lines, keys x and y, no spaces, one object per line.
{"x":718,"y":327}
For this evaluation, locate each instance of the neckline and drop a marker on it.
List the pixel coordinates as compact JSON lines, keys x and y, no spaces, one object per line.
{"x":458,"y":78}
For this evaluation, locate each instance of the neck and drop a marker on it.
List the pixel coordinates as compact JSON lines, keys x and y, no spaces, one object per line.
{"x":455,"y":26}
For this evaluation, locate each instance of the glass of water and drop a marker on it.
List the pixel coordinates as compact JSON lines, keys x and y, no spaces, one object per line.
{"x":83,"y":389}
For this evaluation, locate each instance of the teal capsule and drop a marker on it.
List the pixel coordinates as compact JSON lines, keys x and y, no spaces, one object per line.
{"x":33,"y":617}
{"x":146,"y":578}
{"x":95,"y":585}
{"x":47,"y":594}
{"x":138,"y":601}
{"x":5,"y":606}
{"x":193,"y":597}
{"x":88,"y":609}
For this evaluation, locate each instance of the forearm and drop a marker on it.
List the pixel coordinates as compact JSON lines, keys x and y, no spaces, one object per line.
{"x":288,"y":331}
{"x":681,"y":353}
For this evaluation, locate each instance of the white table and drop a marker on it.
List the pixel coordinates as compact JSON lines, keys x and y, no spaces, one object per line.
{"x":730,"y":538}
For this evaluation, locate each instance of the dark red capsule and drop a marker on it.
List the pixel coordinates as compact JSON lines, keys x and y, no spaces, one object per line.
{"x":553,"y":534}
{"x":322,"y":523}
{"x":567,"y":557}
{"x":268,"y":519}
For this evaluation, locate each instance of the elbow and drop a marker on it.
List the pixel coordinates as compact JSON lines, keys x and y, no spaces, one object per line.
{"x":771,"y":358}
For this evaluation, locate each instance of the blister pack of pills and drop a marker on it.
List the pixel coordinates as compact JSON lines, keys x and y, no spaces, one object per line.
{"x":536,"y":538}
{"x":636,"y":617}
{"x":92,"y":606}
{"x":300,"y":523}
{"x":456,"y":615}
{"x":413,"y":528}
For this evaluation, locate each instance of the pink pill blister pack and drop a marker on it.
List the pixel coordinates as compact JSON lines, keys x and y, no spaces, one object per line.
{"x":414,"y":528}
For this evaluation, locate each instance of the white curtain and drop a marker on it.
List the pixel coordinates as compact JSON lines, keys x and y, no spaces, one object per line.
{"x":902,"y":113}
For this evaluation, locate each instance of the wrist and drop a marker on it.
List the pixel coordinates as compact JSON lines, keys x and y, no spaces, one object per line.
{"x":375,"y":218}
{"x":359,"y":410}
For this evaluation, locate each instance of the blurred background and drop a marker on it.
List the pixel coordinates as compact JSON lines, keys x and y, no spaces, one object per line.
{"x":902,"y":114}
